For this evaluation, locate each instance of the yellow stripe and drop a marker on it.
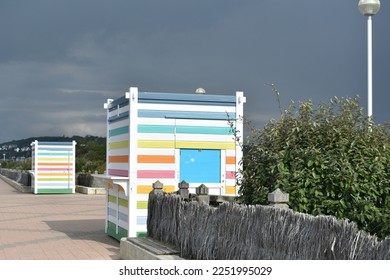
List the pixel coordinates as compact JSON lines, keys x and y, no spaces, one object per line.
{"x":206,"y":145}
{"x":186,"y":144}
{"x":230,"y":190}
{"x":156,"y":144}
{"x":119,"y":145}
{"x":55,"y":174}
{"x":148,"y":189}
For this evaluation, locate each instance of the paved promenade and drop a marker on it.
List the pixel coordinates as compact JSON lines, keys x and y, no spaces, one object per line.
{"x":53,"y":227}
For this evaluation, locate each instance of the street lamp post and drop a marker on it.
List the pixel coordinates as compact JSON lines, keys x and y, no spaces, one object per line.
{"x":369,"y":8}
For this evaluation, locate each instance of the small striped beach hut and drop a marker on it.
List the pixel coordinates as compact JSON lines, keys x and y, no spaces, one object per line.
{"x":53,"y":167}
{"x":168,"y":137}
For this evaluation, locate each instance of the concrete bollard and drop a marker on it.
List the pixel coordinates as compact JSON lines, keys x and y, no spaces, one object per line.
{"x":279,"y":199}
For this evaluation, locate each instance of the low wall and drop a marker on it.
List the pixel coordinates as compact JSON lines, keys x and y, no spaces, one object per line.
{"x":86,"y":179}
{"x":233,"y":231}
{"x":21,"y":177}
{"x":24,"y":178}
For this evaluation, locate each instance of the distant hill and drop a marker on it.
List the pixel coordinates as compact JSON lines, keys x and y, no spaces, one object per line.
{"x":21,"y":149}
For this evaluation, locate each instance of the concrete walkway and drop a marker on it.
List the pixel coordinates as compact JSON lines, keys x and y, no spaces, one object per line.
{"x":53,"y":227}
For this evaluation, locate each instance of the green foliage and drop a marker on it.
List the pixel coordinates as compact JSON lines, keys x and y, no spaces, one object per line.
{"x":332,"y":160}
{"x":90,"y":155}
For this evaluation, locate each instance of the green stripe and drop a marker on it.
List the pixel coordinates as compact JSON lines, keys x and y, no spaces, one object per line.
{"x":47,"y":191}
{"x":123,"y":202}
{"x":111,"y":198}
{"x":111,"y":231}
{"x":118,"y":131}
{"x":141,"y":234}
{"x":142,"y":205}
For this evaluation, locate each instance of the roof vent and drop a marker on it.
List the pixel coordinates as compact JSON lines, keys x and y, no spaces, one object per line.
{"x":200,"y":91}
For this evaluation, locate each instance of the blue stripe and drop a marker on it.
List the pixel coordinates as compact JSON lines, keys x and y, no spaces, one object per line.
{"x":186,"y":115}
{"x":121,"y":101}
{"x":123,"y":217}
{"x":141,"y":220}
{"x":185,"y":98}
{"x":122,"y":116}
{"x":55,"y":149}
{"x":112,"y":212}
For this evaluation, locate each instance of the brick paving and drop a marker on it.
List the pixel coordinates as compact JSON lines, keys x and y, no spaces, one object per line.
{"x":53,"y":227}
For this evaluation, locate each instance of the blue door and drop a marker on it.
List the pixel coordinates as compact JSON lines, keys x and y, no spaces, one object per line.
{"x":200,"y":166}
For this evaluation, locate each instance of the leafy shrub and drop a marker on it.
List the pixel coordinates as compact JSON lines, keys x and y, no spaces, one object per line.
{"x":332,"y":160}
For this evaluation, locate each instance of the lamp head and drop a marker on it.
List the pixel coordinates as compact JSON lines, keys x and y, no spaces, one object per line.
{"x":369,"y":7}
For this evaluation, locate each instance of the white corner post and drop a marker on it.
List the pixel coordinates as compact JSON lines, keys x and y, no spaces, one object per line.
{"x":240,"y":101}
{"x":107,"y":107}
{"x":369,"y":65}
{"x":369,"y":8}
{"x":132,"y":95}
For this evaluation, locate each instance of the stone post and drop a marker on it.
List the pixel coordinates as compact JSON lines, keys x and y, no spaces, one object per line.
{"x":157,"y":187}
{"x":278,"y":199}
{"x":203,"y":194}
{"x":184,"y":192}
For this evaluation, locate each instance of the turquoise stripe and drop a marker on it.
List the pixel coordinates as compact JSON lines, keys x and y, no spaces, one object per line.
{"x":146,"y":128}
{"x":56,"y":154}
{"x":151,"y":128}
{"x":204,"y":130}
{"x":119,"y":131}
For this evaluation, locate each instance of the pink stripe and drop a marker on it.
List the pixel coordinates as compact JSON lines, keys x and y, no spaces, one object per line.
{"x":118,"y":172}
{"x":163,"y":174}
{"x":230,"y":175}
{"x":54,"y":169}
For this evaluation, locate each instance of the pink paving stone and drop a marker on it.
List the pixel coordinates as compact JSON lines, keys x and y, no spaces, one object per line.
{"x":53,"y":227}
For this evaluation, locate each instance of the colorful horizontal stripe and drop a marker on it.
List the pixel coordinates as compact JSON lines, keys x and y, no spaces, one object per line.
{"x":148,"y":189}
{"x":118,"y":172}
{"x":122,"y":159}
{"x":230,"y":160}
{"x":155,"y":159}
{"x":186,"y":144}
{"x":118,"y":131}
{"x":148,"y":128}
{"x":230,"y":190}
{"x":54,"y":191}
{"x":230,"y":175}
{"x":55,"y":174}
{"x":119,"y":145}
{"x":55,"y":164}
{"x":142,"y":205}
{"x":160,"y":174}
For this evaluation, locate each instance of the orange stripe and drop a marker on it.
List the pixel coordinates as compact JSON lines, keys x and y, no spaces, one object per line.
{"x":54,"y":164}
{"x":118,"y":159}
{"x":155,"y":159}
{"x":230,"y":160}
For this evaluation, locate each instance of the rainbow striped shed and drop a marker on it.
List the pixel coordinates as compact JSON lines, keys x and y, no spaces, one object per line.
{"x":168,"y":137}
{"x":53,"y":167}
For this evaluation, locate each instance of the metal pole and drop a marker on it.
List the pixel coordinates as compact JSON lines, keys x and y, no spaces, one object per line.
{"x":369,"y":64}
